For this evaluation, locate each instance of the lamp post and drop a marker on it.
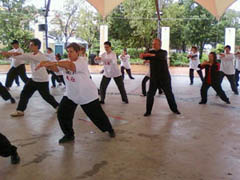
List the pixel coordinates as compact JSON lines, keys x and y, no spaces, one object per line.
{"x":158,"y":7}
{"x":47,"y":5}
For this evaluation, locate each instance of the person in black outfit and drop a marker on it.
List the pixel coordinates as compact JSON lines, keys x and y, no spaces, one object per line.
{"x":159,"y":77}
{"x":212,"y":78}
{"x":7,"y":149}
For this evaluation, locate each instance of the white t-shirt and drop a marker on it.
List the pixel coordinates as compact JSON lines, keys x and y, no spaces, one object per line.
{"x":79,"y":87}
{"x":194,"y":61}
{"x":50,"y":57}
{"x":125,"y":61}
{"x":40,"y":75}
{"x":15,"y":63}
{"x":237,"y":58}
{"x":110,"y":65}
{"x":227,"y":64}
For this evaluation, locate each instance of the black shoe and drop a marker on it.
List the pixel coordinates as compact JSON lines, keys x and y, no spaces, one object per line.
{"x":228,"y":102}
{"x":147,"y":114}
{"x":66,"y":139}
{"x":12,"y":100}
{"x":15,"y":159}
{"x":125,"y":102}
{"x":112,"y":133}
{"x":236,"y":93}
{"x":132,"y":78}
{"x":202,"y":102}
{"x":102,"y":102}
{"x":176,"y":112}
{"x":191,"y":83}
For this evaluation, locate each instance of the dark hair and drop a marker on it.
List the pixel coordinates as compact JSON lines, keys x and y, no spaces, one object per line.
{"x":108,"y":43}
{"x":227,"y":46}
{"x":58,"y":56}
{"x":83,"y":49}
{"x":75,"y":46}
{"x":195,"y":47}
{"x":14,"y":42}
{"x":214,"y":57}
{"x":50,"y":49}
{"x":125,"y":49}
{"x":36,"y":42}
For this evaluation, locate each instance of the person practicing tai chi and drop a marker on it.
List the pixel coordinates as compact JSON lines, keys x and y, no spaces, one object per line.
{"x":193,"y":64}
{"x":159,"y":77}
{"x":111,"y":70}
{"x":39,"y":80}
{"x":80,"y":90}
{"x":212,"y":79}
{"x":17,"y":67}
{"x":227,"y":68}
{"x":7,"y":149}
{"x":125,"y":65}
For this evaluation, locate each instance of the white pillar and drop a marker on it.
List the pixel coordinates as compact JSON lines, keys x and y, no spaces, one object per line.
{"x":103,"y":37}
{"x":230,"y":34}
{"x":165,"y":37}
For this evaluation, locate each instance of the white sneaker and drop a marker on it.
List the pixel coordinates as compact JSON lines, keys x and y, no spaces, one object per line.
{"x":17,"y":114}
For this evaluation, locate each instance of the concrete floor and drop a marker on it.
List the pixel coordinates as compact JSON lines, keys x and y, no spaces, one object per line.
{"x":200,"y":144}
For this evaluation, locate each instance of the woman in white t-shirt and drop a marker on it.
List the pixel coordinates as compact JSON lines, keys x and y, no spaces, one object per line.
{"x":124,"y":57}
{"x":193,"y":64}
{"x":80,"y":90}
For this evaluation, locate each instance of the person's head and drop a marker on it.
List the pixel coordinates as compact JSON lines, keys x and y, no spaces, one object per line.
{"x":35,"y":45}
{"x":73,"y":50}
{"x":125,"y":51}
{"x":227,"y":49}
{"x":82,"y":51}
{"x":49,"y":50}
{"x":108,"y":46}
{"x":194,"y":49}
{"x":58,"y":56}
{"x":156,"y":44}
{"x":212,"y":57}
{"x":15,"y":44}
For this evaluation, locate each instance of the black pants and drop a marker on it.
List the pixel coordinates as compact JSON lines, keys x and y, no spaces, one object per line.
{"x":231,"y":79}
{"x":93,"y":110}
{"x":4,"y":93}
{"x":6,"y":148}
{"x":217,"y":88}
{"x":14,"y":72}
{"x":167,"y":89}
{"x":237,"y":77}
{"x":57,"y":78}
{"x":144,"y":82}
{"x":119,"y":82}
{"x":128,"y":72}
{"x":191,"y":75}
{"x":29,"y":89}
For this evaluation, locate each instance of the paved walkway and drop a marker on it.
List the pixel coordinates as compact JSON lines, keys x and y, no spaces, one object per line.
{"x":136,"y":69}
{"x":200,"y":144}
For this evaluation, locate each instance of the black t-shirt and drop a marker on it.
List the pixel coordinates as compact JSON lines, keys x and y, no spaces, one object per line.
{"x":159,"y":66}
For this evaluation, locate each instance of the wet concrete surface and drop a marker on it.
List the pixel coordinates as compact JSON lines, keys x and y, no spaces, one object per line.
{"x":200,"y":144}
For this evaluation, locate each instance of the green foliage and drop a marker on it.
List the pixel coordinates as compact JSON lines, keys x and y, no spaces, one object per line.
{"x":219,"y":49}
{"x":14,"y":22}
{"x":179,"y":59}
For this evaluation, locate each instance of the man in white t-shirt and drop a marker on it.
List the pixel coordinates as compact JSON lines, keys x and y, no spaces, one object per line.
{"x":17,"y":67}
{"x":227,"y":68}
{"x":124,"y":57}
{"x":237,"y":70}
{"x":111,"y":70}
{"x":39,"y":80}
{"x":193,"y":64}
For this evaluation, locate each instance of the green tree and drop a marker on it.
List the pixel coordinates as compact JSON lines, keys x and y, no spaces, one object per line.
{"x":14,"y":22}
